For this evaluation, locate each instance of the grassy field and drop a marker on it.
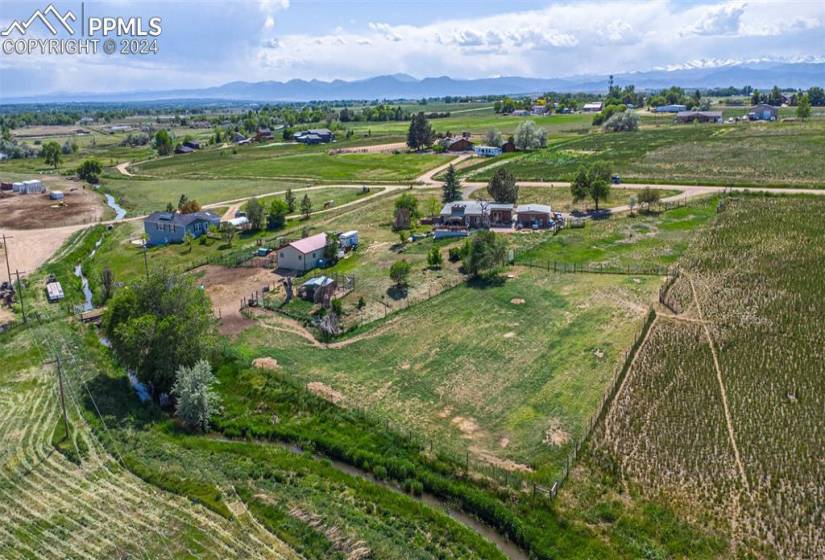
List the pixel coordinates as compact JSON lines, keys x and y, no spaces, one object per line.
{"x":479,"y":122}
{"x":143,"y":196}
{"x":723,"y":395}
{"x":520,"y":391}
{"x":295,"y":161}
{"x":656,"y":239}
{"x":561,"y":200}
{"x":768,"y":154}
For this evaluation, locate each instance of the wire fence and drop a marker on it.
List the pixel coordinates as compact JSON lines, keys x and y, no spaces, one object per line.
{"x":592,"y":268}
{"x":616,"y":380}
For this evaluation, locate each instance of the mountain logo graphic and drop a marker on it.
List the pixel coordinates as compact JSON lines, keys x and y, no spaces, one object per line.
{"x":22,"y":27}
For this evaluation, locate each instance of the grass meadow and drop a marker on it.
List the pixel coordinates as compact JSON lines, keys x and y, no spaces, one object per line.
{"x":746,"y":154}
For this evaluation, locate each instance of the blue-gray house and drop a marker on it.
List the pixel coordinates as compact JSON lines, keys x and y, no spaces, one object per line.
{"x":171,"y":227}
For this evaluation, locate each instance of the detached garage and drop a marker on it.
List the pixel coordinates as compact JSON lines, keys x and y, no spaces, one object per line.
{"x":304,"y":254}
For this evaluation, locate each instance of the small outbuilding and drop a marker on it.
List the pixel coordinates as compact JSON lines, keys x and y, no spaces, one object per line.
{"x":458,"y":144}
{"x":763,"y":112}
{"x":184,"y":149}
{"x":348,"y":240}
{"x":593,"y":107}
{"x":304,"y":254}
{"x":487,"y":151}
{"x":54,"y":291}
{"x":536,"y":216}
{"x":56,"y":195}
{"x":508,"y":147}
{"x":672,"y":108}
{"x":320,"y":289}
{"x":684,"y":117}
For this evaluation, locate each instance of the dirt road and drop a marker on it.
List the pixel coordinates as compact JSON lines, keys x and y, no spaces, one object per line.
{"x":31,"y":248}
{"x":123,"y":168}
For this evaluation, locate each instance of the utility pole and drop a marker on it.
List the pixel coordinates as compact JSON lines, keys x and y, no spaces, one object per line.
{"x":20,"y":291}
{"x":145,"y":261}
{"x":6,"y":252}
{"x":62,"y":398}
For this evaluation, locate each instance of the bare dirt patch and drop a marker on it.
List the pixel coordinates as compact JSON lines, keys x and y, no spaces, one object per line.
{"x":325,"y":392}
{"x":510,"y":334}
{"x":517,"y":301}
{"x":36,"y":211}
{"x":30,"y":248}
{"x":226,"y":287}
{"x":554,"y":434}
{"x":265,"y":363}
{"x":467,"y":426}
{"x":505,"y":464}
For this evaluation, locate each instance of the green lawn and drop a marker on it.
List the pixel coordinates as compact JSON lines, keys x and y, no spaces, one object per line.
{"x":142,"y":196}
{"x":479,"y":122}
{"x":769,"y":154}
{"x":472,"y":370}
{"x":293,"y":161}
{"x":560,"y":199}
{"x":643,"y":240}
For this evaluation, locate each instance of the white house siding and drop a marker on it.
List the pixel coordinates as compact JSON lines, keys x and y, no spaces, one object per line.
{"x":291,"y":258}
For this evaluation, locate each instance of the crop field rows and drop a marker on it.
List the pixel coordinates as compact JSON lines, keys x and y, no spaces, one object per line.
{"x":56,"y":508}
{"x":722,"y":411}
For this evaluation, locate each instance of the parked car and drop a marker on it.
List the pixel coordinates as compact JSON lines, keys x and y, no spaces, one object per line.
{"x":616,"y":179}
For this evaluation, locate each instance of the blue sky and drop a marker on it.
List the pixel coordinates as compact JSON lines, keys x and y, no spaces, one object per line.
{"x":212,"y":42}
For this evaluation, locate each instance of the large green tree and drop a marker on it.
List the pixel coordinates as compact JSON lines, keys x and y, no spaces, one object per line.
{"x":289,"y":198}
{"x":164,"y":143}
{"x":420,"y":134}
{"x":157,"y":325}
{"x":803,"y":107}
{"x":90,"y":171}
{"x":278,"y":210}
{"x":51,"y":154}
{"x":502,"y":186}
{"x":255,"y":214}
{"x":484,"y":253}
{"x":451,"y":190}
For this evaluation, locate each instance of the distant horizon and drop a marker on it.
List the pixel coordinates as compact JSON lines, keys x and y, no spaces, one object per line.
{"x":662,"y":78}
{"x":208,"y":43}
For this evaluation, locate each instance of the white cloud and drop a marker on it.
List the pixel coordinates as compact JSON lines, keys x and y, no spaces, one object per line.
{"x":720,"y":20}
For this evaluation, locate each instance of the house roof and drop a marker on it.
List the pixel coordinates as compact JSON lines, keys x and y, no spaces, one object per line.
{"x":763,"y":107}
{"x":181,"y":219}
{"x":534,"y":209}
{"x":461,"y":208}
{"x":349,"y":233}
{"x":318,"y":281}
{"x":499,"y":206}
{"x":709,"y":114}
{"x":309,"y":244}
{"x":593,"y":105}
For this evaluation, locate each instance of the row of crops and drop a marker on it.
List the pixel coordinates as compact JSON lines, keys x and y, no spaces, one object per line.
{"x":758,"y":300}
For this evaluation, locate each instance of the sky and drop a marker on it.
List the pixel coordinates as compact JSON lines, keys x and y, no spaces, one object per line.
{"x":208,"y":43}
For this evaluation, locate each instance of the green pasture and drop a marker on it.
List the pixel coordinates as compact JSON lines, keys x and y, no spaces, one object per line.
{"x":746,"y":154}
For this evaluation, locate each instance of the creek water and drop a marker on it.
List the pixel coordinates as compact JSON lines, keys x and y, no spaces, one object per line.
{"x":120,"y":212}
{"x":508,"y":548}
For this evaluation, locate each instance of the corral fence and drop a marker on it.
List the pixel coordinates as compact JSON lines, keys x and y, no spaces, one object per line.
{"x":664,"y":293}
{"x":592,"y":268}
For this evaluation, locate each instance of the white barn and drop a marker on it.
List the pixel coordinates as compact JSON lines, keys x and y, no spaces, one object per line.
{"x":304,"y":254}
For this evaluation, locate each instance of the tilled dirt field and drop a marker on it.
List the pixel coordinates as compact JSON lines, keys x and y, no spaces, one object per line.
{"x":35,"y":211}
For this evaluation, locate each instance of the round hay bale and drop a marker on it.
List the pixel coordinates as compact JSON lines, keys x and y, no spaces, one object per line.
{"x":517,"y":301}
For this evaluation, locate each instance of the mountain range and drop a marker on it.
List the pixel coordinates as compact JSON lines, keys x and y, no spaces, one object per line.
{"x":760,"y":75}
